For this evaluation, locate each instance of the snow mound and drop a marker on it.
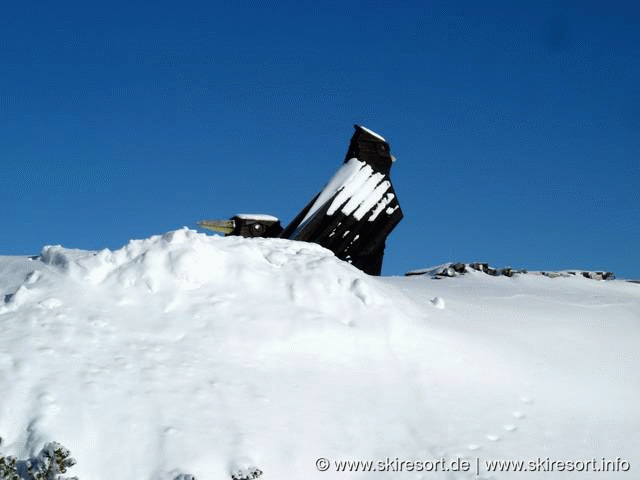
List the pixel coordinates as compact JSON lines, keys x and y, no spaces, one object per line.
{"x":178,"y":342}
{"x":169,"y":265}
{"x":183,"y":259}
{"x":187,"y":354}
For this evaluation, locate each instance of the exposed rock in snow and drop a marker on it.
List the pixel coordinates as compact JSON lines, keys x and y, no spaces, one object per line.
{"x":456,"y":269}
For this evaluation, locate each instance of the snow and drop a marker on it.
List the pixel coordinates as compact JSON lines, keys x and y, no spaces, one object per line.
{"x":193,"y":354}
{"x":354,"y":190}
{"x":349,"y":170}
{"x":257,"y":217}
{"x":371,"y":132}
{"x":373,"y":198}
{"x":382,"y":205}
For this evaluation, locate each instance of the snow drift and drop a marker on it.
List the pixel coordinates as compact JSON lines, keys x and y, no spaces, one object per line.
{"x":191,"y":354}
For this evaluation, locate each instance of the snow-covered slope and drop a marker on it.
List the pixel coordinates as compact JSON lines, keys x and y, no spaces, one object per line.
{"x":191,"y":354}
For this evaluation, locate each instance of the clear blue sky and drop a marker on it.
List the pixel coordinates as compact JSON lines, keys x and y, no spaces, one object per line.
{"x":516,"y":128}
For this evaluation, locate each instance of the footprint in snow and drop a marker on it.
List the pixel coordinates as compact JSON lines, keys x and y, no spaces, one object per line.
{"x":276,"y":258}
{"x":50,"y":303}
{"x":33,"y":277}
{"x":438,"y":303}
{"x":361,"y":290}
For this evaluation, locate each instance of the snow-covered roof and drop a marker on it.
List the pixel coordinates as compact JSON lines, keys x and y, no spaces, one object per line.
{"x":372,"y":133}
{"x":257,"y":217}
{"x":354,"y":190}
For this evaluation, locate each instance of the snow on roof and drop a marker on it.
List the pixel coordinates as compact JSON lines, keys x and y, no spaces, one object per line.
{"x":372,"y":133}
{"x":257,"y":217}
{"x":356,"y":190}
{"x":381,"y":205}
{"x":346,"y":172}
